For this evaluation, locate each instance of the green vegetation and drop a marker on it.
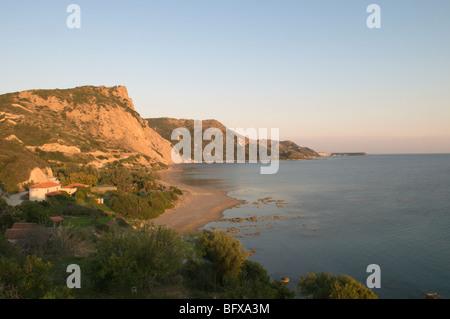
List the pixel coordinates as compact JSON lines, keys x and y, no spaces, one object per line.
{"x":127,"y":258}
{"x":16,"y":163}
{"x":143,"y":205}
{"x":254,"y":283}
{"x":7,"y":215}
{"x":53,"y":156}
{"x":156,"y":260}
{"x":28,"y":133}
{"x":81,"y":178}
{"x":224,"y":253}
{"x":328,"y":286}
{"x":36,"y":212}
{"x":80,"y":95}
{"x":29,"y":280}
{"x":120,"y":177}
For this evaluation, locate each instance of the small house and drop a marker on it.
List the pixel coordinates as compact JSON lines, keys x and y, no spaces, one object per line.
{"x":18,"y":231}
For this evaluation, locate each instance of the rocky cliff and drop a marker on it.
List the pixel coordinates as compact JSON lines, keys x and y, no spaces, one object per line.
{"x":85,"y":125}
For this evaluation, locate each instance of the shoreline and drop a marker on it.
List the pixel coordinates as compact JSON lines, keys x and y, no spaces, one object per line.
{"x":197,"y":207}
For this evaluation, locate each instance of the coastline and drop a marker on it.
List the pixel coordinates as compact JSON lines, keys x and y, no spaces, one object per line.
{"x":197,"y":206}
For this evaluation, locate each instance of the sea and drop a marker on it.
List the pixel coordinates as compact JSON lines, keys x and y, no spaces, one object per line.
{"x":340,"y":215}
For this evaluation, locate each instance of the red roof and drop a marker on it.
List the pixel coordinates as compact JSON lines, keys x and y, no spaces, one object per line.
{"x":19,"y":229}
{"x":75,"y":185}
{"x":57,"y":219}
{"x":45,"y":185}
{"x":23,"y":226}
{"x":13,"y":233}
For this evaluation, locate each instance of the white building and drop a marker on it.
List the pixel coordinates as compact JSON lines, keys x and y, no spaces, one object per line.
{"x":38,"y":192}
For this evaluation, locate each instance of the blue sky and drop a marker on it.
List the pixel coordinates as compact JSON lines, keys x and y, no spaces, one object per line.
{"x":311,"y":68}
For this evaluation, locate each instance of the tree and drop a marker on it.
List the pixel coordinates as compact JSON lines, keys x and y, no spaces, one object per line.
{"x":127,"y":257}
{"x":141,"y":205}
{"x":158,"y":252}
{"x":35,"y":212}
{"x":327,"y":286}
{"x":91,"y":170}
{"x":223,"y":251}
{"x":6,"y":215}
{"x":130,"y":205}
{"x":8,"y":250}
{"x":121,"y":177}
{"x":254,"y":283}
{"x":82,"y":178}
{"x":30,"y":281}
{"x":2,"y":189}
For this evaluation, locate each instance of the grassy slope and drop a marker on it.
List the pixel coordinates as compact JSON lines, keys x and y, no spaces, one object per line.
{"x":16,"y":163}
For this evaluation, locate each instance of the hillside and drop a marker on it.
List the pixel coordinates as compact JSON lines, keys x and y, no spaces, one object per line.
{"x":164,"y":126}
{"x":84,"y":125}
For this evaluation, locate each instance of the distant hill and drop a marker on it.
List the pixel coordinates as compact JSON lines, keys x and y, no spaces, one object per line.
{"x":349,"y":154}
{"x":84,"y":125}
{"x":164,"y":126}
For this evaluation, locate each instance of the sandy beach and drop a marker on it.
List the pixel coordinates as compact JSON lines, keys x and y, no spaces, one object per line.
{"x":196,"y":208}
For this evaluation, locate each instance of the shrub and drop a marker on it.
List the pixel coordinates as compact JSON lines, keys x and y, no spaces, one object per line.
{"x":328,"y":286}
{"x":121,"y":222}
{"x":102,"y":227}
{"x":140,"y":206}
{"x":31,"y":281}
{"x":38,"y":242}
{"x":60,"y":292}
{"x":254,"y":283}
{"x":223,"y":251}
{"x":35,"y":212}
{"x":176,"y":190}
{"x":7,"y":249}
{"x":71,"y":240}
{"x":126,"y":257}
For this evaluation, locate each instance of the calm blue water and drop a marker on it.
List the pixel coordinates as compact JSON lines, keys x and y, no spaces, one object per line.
{"x":341,"y":214}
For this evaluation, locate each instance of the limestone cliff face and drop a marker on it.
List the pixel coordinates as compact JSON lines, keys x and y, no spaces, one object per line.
{"x":85,"y":121}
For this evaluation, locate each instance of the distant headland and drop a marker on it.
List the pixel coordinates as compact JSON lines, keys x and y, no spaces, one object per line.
{"x":349,"y":154}
{"x":342,"y":154}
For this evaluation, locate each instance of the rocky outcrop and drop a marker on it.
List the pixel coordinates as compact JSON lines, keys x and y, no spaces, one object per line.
{"x":38,"y":175}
